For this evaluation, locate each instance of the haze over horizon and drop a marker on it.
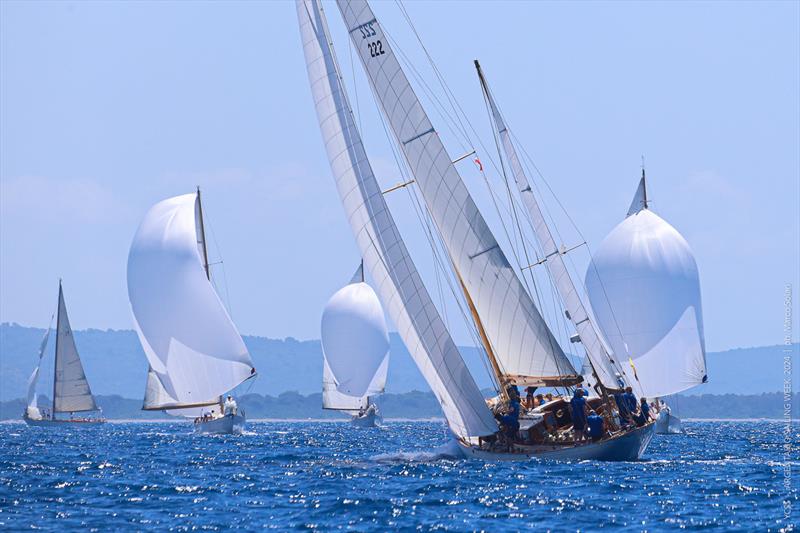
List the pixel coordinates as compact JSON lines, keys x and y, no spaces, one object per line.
{"x":108,"y":108}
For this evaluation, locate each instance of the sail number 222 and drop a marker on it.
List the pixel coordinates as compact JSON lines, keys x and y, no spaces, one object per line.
{"x":375,"y":47}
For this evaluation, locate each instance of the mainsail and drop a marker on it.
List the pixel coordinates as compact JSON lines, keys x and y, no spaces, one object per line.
{"x":71,"y":392}
{"x":355,"y":341}
{"x":609,"y":371}
{"x":518,"y":338}
{"x":645,"y":293}
{"x":385,"y":255}
{"x":194,"y":350}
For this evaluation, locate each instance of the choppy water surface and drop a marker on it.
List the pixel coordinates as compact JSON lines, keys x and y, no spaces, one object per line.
{"x":720,"y":475}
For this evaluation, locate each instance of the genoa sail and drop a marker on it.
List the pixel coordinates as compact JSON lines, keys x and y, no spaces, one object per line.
{"x":524,"y":348}
{"x":608,"y":370}
{"x":193,"y":348}
{"x":645,"y":293}
{"x":385,"y":255}
{"x":71,"y":392}
{"x":32,"y":396}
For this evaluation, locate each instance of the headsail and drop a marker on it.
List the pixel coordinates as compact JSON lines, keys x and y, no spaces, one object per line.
{"x":32,"y":381}
{"x":354,"y":338}
{"x":607,"y":368}
{"x":385,"y":255}
{"x":524,"y":348}
{"x":639,"y":201}
{"x":194,"y":351}
{"x":71,"y":392}
{"x":645,"y":293}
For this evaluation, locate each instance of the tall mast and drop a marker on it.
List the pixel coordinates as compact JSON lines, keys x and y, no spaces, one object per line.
{"x":55,"y":359}
{"x":644,"y":185}
{"x":203,"y":235}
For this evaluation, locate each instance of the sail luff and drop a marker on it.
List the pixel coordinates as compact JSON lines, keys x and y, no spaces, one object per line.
{"x":391,"y":268}
{"x":525,"y":348}
{"x":608,"y":369}
{"x":202,"y":234}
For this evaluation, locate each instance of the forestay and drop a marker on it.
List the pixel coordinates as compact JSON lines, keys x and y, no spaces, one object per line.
{"x":70,"y":388}
{"x":386,"y":258}
{"x":193,"y":348}
{"x":645,"y":294}
{"x":523,"y":346}
{"x":608,"y":370}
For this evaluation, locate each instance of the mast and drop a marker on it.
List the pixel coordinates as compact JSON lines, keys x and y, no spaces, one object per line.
{"x":644,"y":186}
{"x":55,"y":359}
{"x":203,"y":234}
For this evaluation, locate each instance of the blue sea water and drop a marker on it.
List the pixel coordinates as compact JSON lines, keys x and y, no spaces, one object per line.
{"x":328,"y":475}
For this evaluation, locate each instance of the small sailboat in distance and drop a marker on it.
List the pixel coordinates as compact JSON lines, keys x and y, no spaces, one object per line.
{"x":195,"y":354}
{"x":355,"y":351}
{"x":644,"y":288}
{"x":71,"y":392}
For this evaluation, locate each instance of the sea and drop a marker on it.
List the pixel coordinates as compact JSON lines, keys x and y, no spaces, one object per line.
{"x":406,"y":475}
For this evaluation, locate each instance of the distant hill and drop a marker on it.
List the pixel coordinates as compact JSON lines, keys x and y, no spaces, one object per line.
{"x":115,"y":365}
{"x":292,"y":405}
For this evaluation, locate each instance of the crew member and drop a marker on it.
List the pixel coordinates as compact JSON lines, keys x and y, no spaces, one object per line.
{"x":596,"y":423}
{"x":230,"y":406}
{"x":578,"y":405}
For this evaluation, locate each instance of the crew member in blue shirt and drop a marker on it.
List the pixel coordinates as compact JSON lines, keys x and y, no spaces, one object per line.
{"x":644,"y":413}
{"x":578,"y":404}
{"x":510,"y":420}
{"x":596,"y":429}
{"x":622,"y":407}
{"x":630,"y":399}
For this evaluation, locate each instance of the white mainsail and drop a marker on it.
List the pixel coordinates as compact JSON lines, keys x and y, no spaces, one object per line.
{"x":645,"y":293}
{"x":33,"y":380}
{"x":523,"y":346}
{"x":385,"y":255}
{"x":354,"y":337}
{"x":608,"y":369}
{"x":71,"y":392}
{"x":193,"y":348}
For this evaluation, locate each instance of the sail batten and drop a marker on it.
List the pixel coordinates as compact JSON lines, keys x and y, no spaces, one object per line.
{"x":385,"y":256}
{"x":193,"y":348}
{"x":608,"y":369}
{"x":522,"y":342}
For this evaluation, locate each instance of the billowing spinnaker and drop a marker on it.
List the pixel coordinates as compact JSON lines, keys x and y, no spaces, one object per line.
{"x":354,"y":337}
{"x":524,"y":348}
{"x":333,"y":399}
{"x":645,"y":293}
{"x":72,"y":392}
{"x":192,"y":346}
{"x":386,"y":258}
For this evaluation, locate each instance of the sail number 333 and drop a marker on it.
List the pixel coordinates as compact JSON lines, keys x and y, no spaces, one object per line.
{"x":375,"y":47}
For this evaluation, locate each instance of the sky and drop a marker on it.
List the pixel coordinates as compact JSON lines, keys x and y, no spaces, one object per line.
{"x":109,"y":107}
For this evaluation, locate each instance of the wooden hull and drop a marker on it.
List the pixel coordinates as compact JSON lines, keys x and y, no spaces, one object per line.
{"x":625,"y":447}
{"x":225,"y":425}
{"x":668,"y":424}
{"x":368,"y":420}
{"x":47,"y":422}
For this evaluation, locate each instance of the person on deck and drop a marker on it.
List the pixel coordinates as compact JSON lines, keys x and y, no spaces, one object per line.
{"x":230,"y":406}
{"x":540,"y":401}
{"x":510,"y":420}
{"x":596,"y":423}
{"x":579,"y":411}
{"x":630,"y":399}
{"x":644,"y":412}
{"x":548,"y":397}
{"x":529,"y":398}
{"x":622,"y":407}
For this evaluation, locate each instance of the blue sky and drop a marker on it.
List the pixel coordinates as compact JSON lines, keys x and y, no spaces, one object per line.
{"x":109,"y":107}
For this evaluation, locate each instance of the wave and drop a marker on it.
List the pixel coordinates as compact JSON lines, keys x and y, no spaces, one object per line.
{"x":449,"y":451}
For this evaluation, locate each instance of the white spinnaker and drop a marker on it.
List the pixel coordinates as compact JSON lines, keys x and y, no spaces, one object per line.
{"x":333,"y":399}
{"x":33,"y":380}
{"x":191,"y":344}
{"x":645,"y":293}
{"x":71,"y":389}
{"x":386,"y":258}
{"x":525,"y":349}
{"x":354,"y":337}
{"x":608,"y":369}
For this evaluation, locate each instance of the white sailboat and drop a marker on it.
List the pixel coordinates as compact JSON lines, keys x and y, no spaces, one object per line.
{"x":355,"y":351}
{"x":71,"y":392}
{"x":518,"y":344}
{"x":644,"y":288}
{"x":195,"y":354}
